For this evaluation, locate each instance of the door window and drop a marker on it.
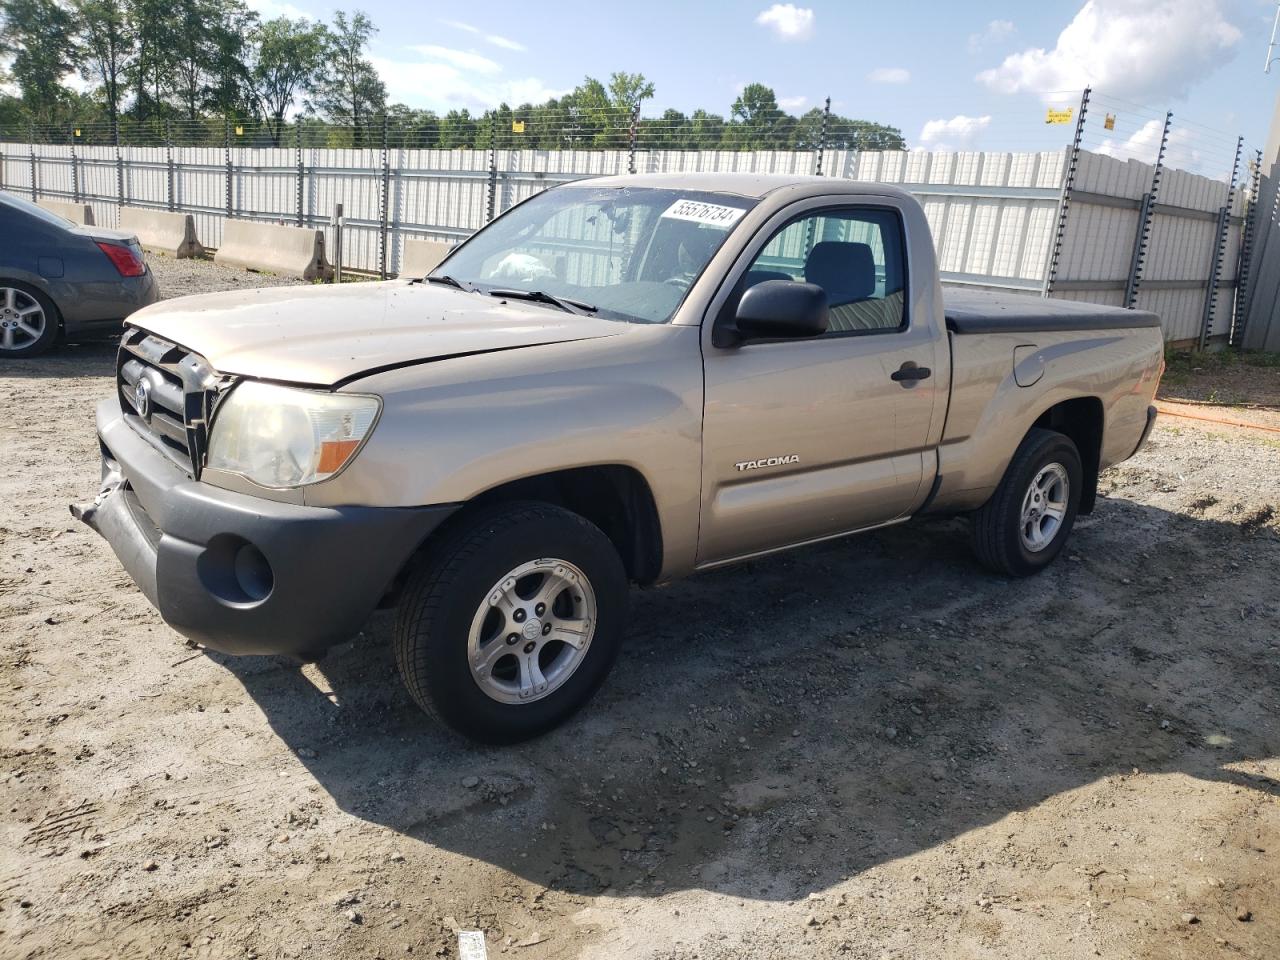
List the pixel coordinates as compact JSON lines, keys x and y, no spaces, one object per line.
{"x":854,"y":255}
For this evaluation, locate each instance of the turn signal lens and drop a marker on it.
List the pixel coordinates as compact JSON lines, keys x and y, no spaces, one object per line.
{"x":127,"y":260}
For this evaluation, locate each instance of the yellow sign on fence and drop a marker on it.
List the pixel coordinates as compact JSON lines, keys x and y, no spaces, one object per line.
{"x":239,"y":131}
{"x":517,"y":126}
{"x":1109,"y":122}
{"x":1058,"y":116}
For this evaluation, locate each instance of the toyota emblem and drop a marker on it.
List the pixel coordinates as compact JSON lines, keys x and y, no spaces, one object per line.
{"x":142,"y":398}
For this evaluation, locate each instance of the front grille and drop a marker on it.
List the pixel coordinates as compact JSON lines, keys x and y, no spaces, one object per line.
{"x":173,"y":406}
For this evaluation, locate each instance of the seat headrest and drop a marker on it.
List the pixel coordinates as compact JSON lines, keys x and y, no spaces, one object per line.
{"x":847,"y":271}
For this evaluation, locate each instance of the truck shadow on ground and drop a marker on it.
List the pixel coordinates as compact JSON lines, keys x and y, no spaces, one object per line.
{"x":779,"y":727}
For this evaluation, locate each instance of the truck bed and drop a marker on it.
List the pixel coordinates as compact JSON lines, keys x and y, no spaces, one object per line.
{"x":978,"y":311}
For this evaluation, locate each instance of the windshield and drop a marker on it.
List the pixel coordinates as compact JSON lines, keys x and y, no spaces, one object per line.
{"x":26,"y":206}
{"x":627,"y":253}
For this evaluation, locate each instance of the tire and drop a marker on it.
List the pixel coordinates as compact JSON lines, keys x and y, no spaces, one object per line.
{"x":461,"y":606}
{"x":1003,"y":538}
{"x":28,"y":321}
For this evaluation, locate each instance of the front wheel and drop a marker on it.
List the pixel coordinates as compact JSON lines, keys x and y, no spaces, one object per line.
{"x":512,"y":622}
{"x":1027,"y":521}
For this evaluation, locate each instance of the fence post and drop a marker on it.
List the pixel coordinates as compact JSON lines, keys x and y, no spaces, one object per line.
{"x":168,"y":163}
{"x":75,"y":170}
{"x":384,"y":204}
{"x":297,"y":140}
{"x":1219,"y":249}
{"x":31,"y":147}
{"x":226,"y":146}
{"x":1064,"y":201}
{"x":338,"y":226}
{"x":1240,"y":315}
{"x":822,"y":137}
{"x":631,"y":139}
{"x":1145,"y":215}
{"x":493,"y":168}
{"x":115,"y":135}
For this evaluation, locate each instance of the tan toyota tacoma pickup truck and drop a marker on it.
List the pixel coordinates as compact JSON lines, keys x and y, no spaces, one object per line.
{"x":626,"y":379}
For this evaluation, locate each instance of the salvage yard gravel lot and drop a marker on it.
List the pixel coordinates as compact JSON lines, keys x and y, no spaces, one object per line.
{"x":871,"y":748}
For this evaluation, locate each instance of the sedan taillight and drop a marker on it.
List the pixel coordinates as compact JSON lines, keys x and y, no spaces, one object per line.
{"x":126,"y":259}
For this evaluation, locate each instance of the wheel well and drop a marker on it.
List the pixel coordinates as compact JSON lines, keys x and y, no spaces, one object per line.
{"x":616,"y":499}
{"x":1081,"y":420}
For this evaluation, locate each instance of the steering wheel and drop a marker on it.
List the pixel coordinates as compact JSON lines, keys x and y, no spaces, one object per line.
{"x":680,"y":283}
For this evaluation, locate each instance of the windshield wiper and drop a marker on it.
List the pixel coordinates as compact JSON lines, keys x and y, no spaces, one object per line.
{"x":447,"y":281}
{"x":541,"y":296}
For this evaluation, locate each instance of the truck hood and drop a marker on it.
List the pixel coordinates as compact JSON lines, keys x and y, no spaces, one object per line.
{"x":328,"y":334}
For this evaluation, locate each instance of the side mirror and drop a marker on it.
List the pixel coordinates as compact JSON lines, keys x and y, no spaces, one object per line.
{"x":782,"y":308}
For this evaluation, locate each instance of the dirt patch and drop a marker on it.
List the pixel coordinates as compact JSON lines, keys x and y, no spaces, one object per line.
{"x":1225,"y":378}
{"x":866,"y":749}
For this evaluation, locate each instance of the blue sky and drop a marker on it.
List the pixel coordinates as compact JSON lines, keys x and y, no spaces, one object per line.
{"x":950,"y":74}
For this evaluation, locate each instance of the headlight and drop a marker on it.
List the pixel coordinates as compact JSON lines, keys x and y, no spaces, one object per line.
{"x":286,"y":437}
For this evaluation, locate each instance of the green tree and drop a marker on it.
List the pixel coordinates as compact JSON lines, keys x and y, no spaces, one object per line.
{"x":108,"y":43}
{"x":289,"y":55}
{"x":230,"y":88}
{"x":40,"y":34}
{"x":349,"y":92}
{"x":412,"y":128}
{"x":458,"y":129}
{"x":757,"y":116}
{"x":627,"y":91}
{"x":151,"y":72}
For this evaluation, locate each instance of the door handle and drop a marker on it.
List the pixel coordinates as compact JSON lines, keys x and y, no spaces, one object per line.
{"x":908,"y":373}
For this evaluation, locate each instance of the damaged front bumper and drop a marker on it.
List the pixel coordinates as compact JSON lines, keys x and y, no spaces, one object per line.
{"x":242,"y":574}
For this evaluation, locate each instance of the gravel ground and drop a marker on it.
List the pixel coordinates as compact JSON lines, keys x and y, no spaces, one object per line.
{"x":181,"y":278}
{"x":866,"y":749}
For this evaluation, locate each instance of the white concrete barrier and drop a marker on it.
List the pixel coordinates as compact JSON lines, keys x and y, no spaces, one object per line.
{"x":270,"y":247}
{"x":77,"y":212}
{"x":173,"y":234}
{"x":420,"y":257}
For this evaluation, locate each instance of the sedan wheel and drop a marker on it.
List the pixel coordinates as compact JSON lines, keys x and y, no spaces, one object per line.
{"x":27,"y":324}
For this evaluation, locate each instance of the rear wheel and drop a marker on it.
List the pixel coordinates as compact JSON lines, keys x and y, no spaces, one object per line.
{"x":512,"y":622}
{"x":1027,"y":521}
{"x":28,"y":320}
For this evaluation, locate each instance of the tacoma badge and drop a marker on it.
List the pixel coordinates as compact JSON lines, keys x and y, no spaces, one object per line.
{"x":767,"y":462}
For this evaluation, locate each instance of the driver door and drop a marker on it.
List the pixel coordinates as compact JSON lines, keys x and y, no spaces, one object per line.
{"x":811,"y":438}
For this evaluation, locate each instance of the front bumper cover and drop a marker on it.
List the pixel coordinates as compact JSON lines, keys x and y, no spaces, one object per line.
{"x":182,"y":543}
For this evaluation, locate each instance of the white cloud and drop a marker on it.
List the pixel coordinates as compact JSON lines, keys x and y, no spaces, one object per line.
{"x":889,"y":75}
{"x":957,"y":133}
{"x":1181,"y":151}
{"x":1128,"y":48}
{"x":462,"y":59}
{"x":443,"y":86}
{"x":506,"y":43}
{"x":993,"y":32}
{"x":792,"y":103}
{"x":788,"y":21}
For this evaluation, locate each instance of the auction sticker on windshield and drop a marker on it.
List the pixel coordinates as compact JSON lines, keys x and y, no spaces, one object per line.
{"x":710,"y":214}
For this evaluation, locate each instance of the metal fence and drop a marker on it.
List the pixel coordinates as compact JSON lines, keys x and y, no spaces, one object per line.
{"x":1258,"y":323}
{"x":1072,"y":223}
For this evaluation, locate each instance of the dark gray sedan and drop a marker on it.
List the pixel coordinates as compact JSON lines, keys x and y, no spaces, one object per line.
{"x":60,"y":278}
